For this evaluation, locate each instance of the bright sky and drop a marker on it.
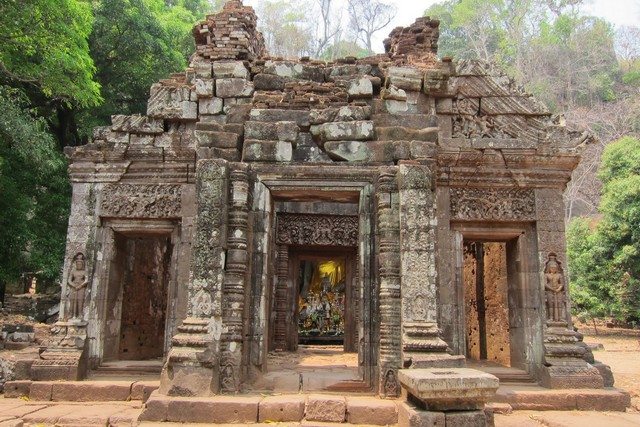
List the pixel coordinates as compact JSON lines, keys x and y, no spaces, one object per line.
{"x":618,"y":12}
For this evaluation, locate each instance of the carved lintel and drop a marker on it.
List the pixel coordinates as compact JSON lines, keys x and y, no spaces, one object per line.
{"x":141,"y":201}
{"x":510,"y":204}
{"x":325,"y":230}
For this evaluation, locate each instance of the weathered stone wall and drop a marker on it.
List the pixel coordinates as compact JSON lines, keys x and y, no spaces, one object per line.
{"x":449,"y":151}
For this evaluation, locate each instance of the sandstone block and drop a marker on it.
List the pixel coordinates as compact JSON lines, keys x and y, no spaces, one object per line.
{"x":141,"y":390}
{"x":326,"y":408}
{"x":414,"y":121}
{"x":214,"y":410}
{"x":342,"y":114}
{"x":466,"y":419}
{"x":398,"y":133}
{"x":406,"y":78}
{"x":410,"y":416}
{"x":301,"y":117}
{"x":40,"y":390}
{"x":156,"y":408}
{"x":601,"y":400}
{"x":281,"y":408}
{"x":393,"y":93}
{"x":295,"y":70}
{"x":605,"y":372}
{"x":351,"y":151}
{"x":171,"y":103}
{"x":230,"y":69}
{"x":204,"y":88}
{"x":361,"y":88}
{"x":449,"y":388}
{"x":217,"y":139}
{"x":267,"y":151}
{"x":48,"y":416}
{"x":89,"y":415}
{"x":278,"y":131}
{"x":136,"y":124}
{"x":210,"y":106}
{"x":234,"y":88}
{"x":268,"y":82}
{"x":17,"y":389}
{"x":201,"y":67}
{"x":344,"y":131}
{"x":91,"y":391}
{"x":361,"y":410}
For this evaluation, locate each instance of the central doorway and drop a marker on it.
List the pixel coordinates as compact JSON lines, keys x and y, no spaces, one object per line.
{"x":325,"y":298}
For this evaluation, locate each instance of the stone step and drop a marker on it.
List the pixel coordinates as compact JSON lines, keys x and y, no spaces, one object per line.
{"x":81,"y":391}
{"x":535,"y":398}
{"x":312,"y":409}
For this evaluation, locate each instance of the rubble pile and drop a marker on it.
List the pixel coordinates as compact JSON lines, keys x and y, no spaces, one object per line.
{"x":230,"y":34}
{"x":420,"y":38}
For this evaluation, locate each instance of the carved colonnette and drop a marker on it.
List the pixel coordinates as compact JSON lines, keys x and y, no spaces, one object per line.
{"x":192,"y":367}
{"x":388,"y":250}
{"x":422,"y":344}
{"x":233,"y":290}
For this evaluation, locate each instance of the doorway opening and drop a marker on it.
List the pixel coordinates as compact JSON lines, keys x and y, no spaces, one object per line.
{"x":137,"y":299}
{"x":487,"y":310}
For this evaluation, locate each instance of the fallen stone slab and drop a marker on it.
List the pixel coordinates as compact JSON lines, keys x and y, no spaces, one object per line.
{"x":539,"y":399}
{"x":49,"y":415}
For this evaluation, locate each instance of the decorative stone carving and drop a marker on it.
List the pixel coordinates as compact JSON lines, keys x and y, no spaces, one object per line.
{"x":141,"y":200}
{"x":555,"y":289}
{"x":325,"y":230}
{"x":492,"y":204}
{"x":391,"y":386}
{"x":479,"y":126}
{"x":76,"y":287}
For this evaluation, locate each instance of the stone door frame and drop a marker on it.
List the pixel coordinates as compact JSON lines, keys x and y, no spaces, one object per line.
{"x":315,"y":185}
{"x":105,"y":269}
{"x":524,"y":293}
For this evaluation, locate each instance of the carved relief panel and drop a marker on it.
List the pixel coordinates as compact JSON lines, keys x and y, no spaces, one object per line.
{"x":141,"y":201}
{"x":322,"y":230}
{"x":509,"y":204}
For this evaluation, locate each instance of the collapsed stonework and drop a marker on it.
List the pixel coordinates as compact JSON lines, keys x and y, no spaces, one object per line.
{"x":244,"y":162}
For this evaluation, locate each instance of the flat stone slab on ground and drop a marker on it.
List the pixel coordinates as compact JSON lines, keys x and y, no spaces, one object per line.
{"x":535,"y":398}
{"x":567,"y":419}
{"x":449,"y":388}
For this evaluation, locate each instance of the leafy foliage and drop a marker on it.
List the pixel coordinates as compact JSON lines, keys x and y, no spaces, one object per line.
{"x":43,"y":43}
{"x":35,"y":193}
{"x":605,"y":258}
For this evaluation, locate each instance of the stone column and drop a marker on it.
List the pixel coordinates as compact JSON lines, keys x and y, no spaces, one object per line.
{"x":388,"y":236}
{"x":192,"y":367}
{"x":233,"y":289}
{"x":564,"y":353}
{"x":422,"y":344}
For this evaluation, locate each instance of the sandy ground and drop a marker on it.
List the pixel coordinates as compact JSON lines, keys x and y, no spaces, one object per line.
{"x":622,"y":352}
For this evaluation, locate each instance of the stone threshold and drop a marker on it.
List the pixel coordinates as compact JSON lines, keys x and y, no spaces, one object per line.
{"x":535,"y":398}
{"x":81,"y":391}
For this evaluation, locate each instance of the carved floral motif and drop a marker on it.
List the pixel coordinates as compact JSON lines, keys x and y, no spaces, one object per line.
{"x":492,"y":204}
{"x":141,"y":200}
{"x":326,"y":230}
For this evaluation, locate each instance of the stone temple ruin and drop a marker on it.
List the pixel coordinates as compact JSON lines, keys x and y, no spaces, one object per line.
{"x":407,"y":208}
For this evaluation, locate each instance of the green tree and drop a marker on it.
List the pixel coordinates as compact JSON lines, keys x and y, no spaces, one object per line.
{"x":134,"y":44}
{"x":604,"y":260}
{"x":34,"y":193}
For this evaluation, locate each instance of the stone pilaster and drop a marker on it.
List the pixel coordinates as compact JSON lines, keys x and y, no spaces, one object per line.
{"x":235,"y":279}
{"x":192,"y":367}
{"x":564,"y":353}
{"x":422,"y":343}
{"x":66,"y":353}
{"x":388,"y":237}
